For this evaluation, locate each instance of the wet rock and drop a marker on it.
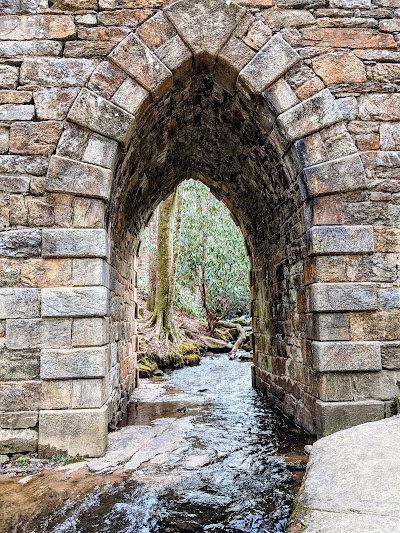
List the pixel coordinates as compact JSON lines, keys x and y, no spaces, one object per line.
{"x":215,"y":345}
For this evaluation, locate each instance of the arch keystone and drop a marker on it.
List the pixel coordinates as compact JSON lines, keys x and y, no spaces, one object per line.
{"x":205,"y":26}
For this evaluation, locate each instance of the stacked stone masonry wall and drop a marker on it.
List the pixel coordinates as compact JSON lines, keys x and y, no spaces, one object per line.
{"x":288,"y":110}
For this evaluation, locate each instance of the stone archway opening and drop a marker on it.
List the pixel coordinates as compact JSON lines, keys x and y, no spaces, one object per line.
{"x":191,"y":97}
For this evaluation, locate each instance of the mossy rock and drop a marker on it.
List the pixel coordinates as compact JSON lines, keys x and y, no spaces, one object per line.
{"x":158,"y":372}
{"x":187,"y":347}
{"x":146,"y":368}
{"x":191,"y":359}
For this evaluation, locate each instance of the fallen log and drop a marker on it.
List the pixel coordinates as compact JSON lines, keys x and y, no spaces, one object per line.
{"x":239,"y":340}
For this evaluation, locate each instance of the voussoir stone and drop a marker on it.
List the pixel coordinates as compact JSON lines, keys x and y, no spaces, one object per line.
{"x":311,"y":115}
{"x":75,"y":363}
{"x":345,"y":356}
{"x":75,"y":243}
{"x":343,"y":297}
{"x":339,"y":175}
{"x":75,"y":302}
{"x":206,"y":26}
{"x":98,"y":114}
{"x":132,"y":56}
{"x":271,"y":62}
{"x":68,"y":175}
{"x":340,"y":239}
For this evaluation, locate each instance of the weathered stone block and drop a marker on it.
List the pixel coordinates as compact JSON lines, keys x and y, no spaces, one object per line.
{"x":373,"y":386}
{"x":67,"y":175}
{"x":147,"y":69}
{"x":340,"y":239}
{"x":19,"y":419}
{"x":156,"y":31}
{"x":54,"y":103}
{"x":340,"y":175}
{"x":46,"y":273}
{"x":311,"y":115}
{"x":19,"y":303}
{"x":280,"y":97}
{"x":233,"y":57}
{"x":278,"y":18}
{"x":56,"y":72}
{"x":339,"y":67}
{"x":273,"y":60}
{"x":98,"y":114}
{"x":88,"y":393}
{"x":335,"y":416}
{"x":381,"y":325}
{"x":176,"y":56}
{"x":343,"y":296}
{"x":20,"y":243}
{"x":37,"y":333}
{"x":22,"y":49}
{"x":390,"y":355}
{"x":18,"y":440}
{"x":88,"y":213}
{"x":106,"y":79}
{"x":390,"y":136}
{"x":90,"y":272}
{"x":132,"y":97}
{"x":16,"y":112}
{"x":380,"y":107}
{"x":205,"y":28}
{"x":74,"y":432}
{"x":34,"y":138}
{"x":25,"y":28}
{"x":334,"y":387}
{"x":389,"y":298}
{"x":346,"y":356}
{"x":101,"y":151}
{"x":75,"y":363}
{"x":19,"y":395}
{"x":90,"y":331}
{"x":75,"y":243}
{"x":88,"y":301}
{"x":19,"y":365}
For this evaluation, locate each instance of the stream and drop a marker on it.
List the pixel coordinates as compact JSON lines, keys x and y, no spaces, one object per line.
{"x":213,"y":455}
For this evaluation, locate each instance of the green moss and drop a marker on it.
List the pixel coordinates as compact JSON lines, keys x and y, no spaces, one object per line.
{"x":147,"y":368}
{"x":222,"y":335}
{"x":187,"y":347}
{"x":398,"y":404}
{"x":191,"y":359}
{"x":65,"y":459}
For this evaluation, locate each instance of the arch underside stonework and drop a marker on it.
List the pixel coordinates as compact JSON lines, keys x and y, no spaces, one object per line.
{"x":187,"y":97}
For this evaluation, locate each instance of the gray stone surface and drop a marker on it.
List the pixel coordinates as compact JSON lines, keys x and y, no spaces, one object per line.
{"x":67,"y":302}
{"x":343,"y":296}
{"x":18,"y":440}
{"x":19,"y":303}
{"x":341,"y":239}
{"x":20,"y":243}
{"x":273,"y":60}
{"x":25,"y":334}
{"x":75,"y":243}
{"x":75,"y":432}
{"x":77,"y":363}
{"x":333,"y":416}
{"x":95,"y":112}
{"x":69,"y":176}
{"x":352,"y":482}
{"x":19,"y":419}
{"x":341,"y":356}
{"x":89,"y":331}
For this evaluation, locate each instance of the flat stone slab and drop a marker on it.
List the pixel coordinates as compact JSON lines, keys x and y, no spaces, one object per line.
{"x":352,"y":481}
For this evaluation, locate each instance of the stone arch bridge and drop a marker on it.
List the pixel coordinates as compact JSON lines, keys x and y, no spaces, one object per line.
{"x":287,"y":109}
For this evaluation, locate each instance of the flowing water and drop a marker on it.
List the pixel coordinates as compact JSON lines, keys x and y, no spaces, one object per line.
{"x":235,"y":467}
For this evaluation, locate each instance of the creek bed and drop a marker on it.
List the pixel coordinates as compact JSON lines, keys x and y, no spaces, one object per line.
{"x":235,"y":466}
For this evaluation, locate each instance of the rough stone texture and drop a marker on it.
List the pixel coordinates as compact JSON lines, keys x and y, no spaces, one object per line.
{"x":75,"y":243}
{"x":88,"y":301}
{"x":346,"y":356}
{"x":18,"y":440}
{"x":288,"y":110}
{"x":67,"y":364}
{"x":79,"y":432}
{"x":274,"y":59}
{"x":67,"y":175}
{"x":19,"y":420}
{"x":350,"y":483}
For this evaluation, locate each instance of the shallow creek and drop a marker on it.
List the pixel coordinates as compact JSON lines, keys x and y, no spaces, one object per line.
{"x":202,"y":452}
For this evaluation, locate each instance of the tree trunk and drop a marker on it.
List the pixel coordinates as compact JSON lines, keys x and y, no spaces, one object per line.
{"x":167,"y":256}
{"x":152,"y":258}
